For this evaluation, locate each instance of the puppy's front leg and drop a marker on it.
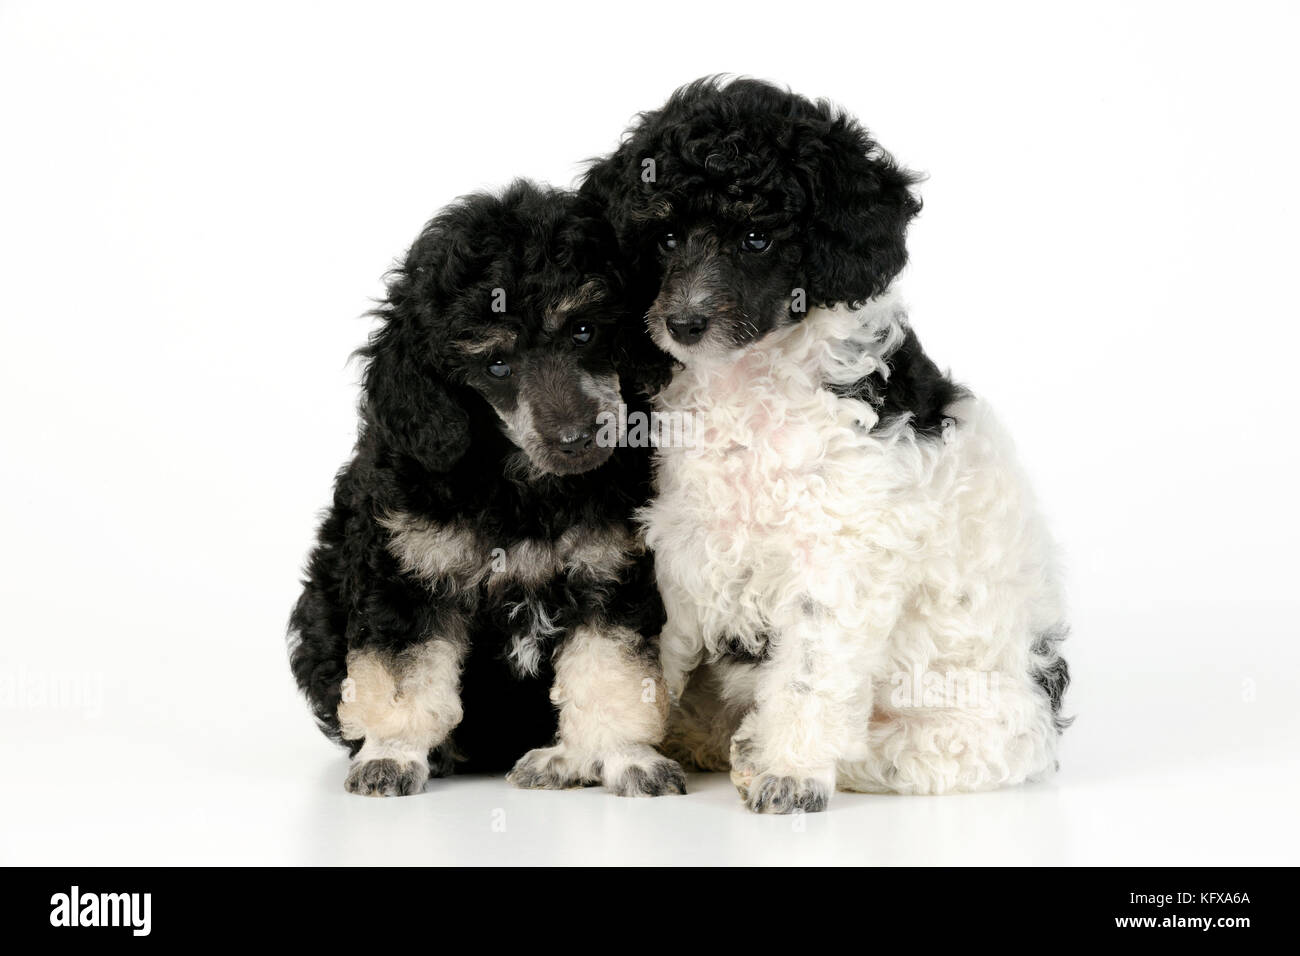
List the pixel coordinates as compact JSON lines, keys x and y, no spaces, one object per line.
{"x":613,"y":708}
{"x":681,"y":642}
{"x":401,"y":705}
{"x":807,"y":703}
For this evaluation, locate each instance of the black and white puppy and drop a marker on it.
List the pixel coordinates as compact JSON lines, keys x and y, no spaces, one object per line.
{"x":478,"y":574}
{"x":849,"y":548}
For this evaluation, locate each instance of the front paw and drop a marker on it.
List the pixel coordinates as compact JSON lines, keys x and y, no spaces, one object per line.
{"x":547,"y":768}
{"x":653,"y":777}
{"x":386,"y":778}
{"x":770,"y":793}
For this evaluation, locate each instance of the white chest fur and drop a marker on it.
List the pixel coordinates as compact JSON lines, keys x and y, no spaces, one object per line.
{"x":784,"y":477}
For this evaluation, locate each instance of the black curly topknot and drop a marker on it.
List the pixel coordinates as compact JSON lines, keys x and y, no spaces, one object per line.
{"x":749,"y":150}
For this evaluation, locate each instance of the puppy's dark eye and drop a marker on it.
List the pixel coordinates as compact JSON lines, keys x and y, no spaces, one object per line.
{"x":755,"y":242}
{"x":582,"y":333}
{"x":498,"y":369}
{"x":668,"y":241}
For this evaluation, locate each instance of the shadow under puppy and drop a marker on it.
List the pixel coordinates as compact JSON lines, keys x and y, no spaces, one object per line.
{"x":849,"y":551}
{"x":478,"y":591}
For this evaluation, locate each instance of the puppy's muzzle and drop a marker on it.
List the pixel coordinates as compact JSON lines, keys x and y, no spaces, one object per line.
{"x":572,"y":447}
{"x":689,"y":328}
{"x":575,"y":439}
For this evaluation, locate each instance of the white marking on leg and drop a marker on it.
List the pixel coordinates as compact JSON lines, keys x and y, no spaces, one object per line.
{"x":613,"y":708}
{"x":402,"y":706}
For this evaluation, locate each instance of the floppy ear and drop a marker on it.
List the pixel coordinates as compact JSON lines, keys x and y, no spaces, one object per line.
{"x":861,"y":205}
{"x":409,"y":405}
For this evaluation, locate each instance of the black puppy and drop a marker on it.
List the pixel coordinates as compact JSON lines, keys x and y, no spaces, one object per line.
{"x":480,"y":550}
{"x":733,"y":194}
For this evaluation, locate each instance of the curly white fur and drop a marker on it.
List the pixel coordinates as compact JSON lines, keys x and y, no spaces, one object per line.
{"x":841,"y":555}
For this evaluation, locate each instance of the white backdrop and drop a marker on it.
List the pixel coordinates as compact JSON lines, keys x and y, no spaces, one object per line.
{"x":196,"y":209}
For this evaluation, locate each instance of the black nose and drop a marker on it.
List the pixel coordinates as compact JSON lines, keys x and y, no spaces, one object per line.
{"x":687,"y":329}
{"x":573,"y":439}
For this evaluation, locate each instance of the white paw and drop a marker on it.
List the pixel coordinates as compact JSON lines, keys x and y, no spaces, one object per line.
{"x":549,"y":768}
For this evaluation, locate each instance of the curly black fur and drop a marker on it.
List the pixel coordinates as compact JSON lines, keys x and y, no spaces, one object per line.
{"x":915,"y":389}
{"x":432,"y":446}
{"x":725,"y":167}
{"x":751,"y":154}
{"x":1050,"y":671}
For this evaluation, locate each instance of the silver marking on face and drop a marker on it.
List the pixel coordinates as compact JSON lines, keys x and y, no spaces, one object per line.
{"x":490,"y":341}
{"x":603,"y":389}
{"x":660,"y":210}
{"x":693,"y":287}
{"x":521,"y":422}
{"x":518,"y":423}
{"x":553,"y":319}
